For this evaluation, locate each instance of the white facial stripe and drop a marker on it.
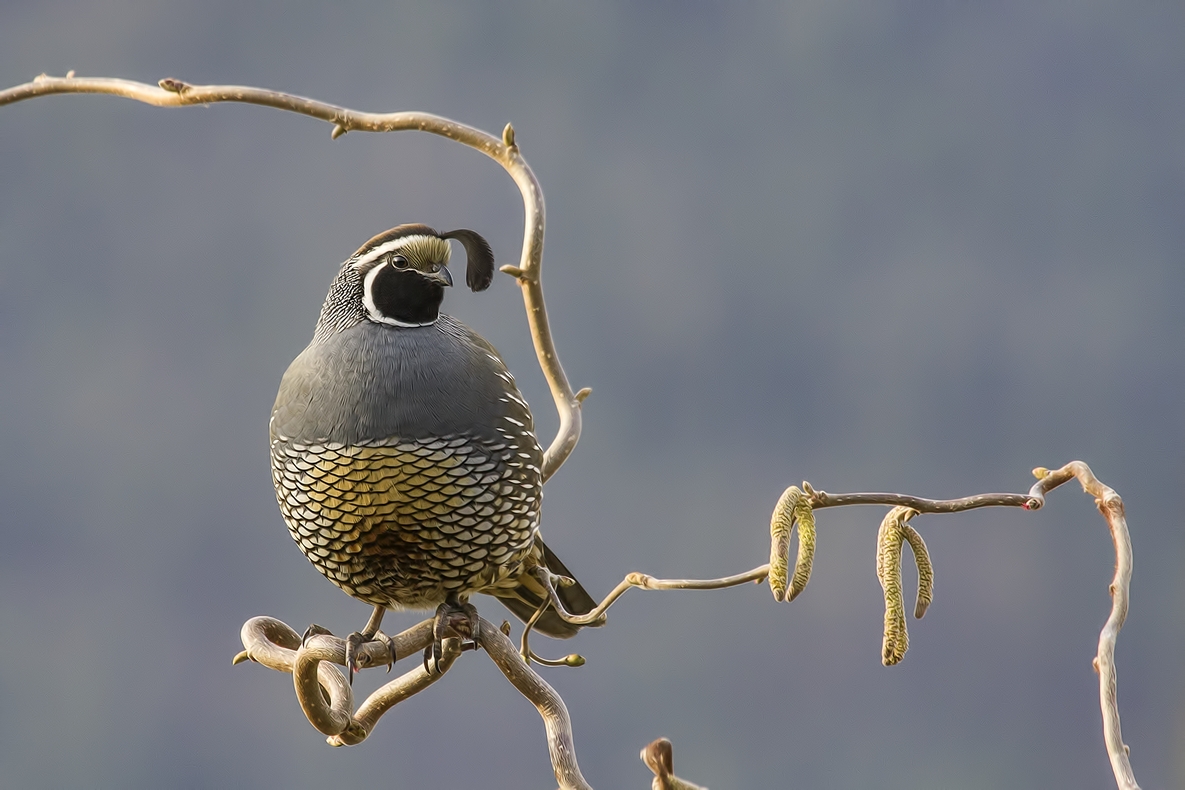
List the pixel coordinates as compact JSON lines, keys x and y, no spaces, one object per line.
{"x":368,"y":297}
{"x":392,"y":246}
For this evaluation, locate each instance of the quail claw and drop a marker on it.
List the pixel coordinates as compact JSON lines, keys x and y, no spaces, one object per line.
{"x":354,"y":643}
{"x":390,"y":643}
{"x":432,"y":658}
{"x":452,"y":618}
{"x":314,"y":630}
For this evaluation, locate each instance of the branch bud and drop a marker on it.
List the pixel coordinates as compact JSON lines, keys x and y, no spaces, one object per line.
{"x":173,"y":86}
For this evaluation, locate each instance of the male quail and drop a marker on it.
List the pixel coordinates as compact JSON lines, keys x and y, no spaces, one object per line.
{"x":404,"y":458}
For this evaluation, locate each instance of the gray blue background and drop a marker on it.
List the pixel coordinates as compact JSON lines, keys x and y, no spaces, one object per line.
{"x":920,"y":247}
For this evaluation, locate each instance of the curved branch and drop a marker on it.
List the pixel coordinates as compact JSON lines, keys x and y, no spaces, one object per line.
{"x":549,"y":704}
{"x":331,"y":712}
{"x":273,"y":643}
{"x":324,"y":695}
{"x":391,"y":694}
{"x":1111,"y":507}
{"x":327,"y":700}
{"x":644,"y":582}
{"x":504,"y":151}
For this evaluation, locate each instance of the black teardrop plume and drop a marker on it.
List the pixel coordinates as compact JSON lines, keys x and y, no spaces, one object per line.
{"x":479,"y":269}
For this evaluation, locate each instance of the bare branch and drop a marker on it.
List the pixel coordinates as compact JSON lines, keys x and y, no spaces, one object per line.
{"x":821,"y":499}
{"x":327,"y":700}
{"x":504,"y":151}
{"x":274,"y":644}
{"x":549,"y":704}
{"x":791,"y":510}
{"x":1111,"y":507}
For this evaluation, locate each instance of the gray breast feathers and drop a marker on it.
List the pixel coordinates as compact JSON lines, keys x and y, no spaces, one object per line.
{"x":371,"y":382}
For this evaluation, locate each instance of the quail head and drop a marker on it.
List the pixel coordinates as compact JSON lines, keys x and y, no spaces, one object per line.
{"x":404,"y":458}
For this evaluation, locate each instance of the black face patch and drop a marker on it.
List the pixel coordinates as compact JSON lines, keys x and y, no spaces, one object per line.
{"x":405,"y":295}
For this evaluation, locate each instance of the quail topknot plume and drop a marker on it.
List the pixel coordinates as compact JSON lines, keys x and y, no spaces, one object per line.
{"x":404,"y":458}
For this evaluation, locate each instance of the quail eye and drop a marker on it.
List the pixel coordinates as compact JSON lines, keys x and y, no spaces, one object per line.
{"x":398,"y":261}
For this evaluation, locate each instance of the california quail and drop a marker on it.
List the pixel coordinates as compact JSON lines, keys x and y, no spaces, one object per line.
{"x":404,"y":458}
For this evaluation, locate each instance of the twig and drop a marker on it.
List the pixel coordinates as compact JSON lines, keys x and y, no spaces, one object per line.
{"x":644,"y":582}
{"x":659,"y":758}
{"x":822,"y":499}
{"x":524,"y":648}
{"x":504,"y":151}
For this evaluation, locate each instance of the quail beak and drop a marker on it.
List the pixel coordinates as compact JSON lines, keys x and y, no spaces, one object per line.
{"x":442,"y":276}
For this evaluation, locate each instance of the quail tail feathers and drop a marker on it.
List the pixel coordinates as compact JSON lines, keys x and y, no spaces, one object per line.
{"x":525,"y":599}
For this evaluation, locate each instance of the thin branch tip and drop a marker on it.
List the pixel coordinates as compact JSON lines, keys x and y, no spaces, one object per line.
{"x":659,"y":758}
{"x":570,"y":660}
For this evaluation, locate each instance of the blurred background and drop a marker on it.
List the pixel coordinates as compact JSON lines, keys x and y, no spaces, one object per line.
{"x":891,"y":246}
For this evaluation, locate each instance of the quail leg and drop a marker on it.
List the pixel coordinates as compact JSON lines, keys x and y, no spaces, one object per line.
{"x":454,"y":616}
{"x":370,"y":633}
